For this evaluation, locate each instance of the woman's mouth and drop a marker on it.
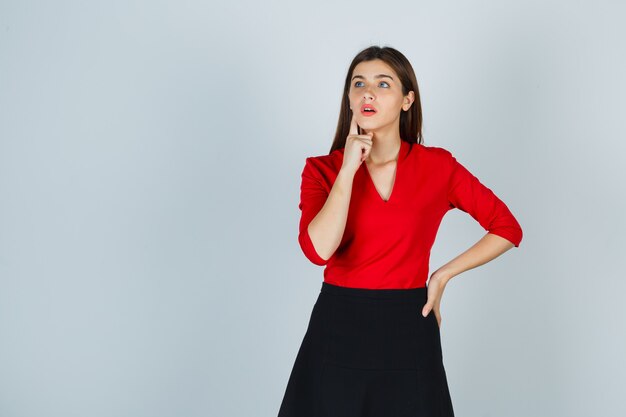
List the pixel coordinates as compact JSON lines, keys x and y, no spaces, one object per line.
{"x":368,"y":110}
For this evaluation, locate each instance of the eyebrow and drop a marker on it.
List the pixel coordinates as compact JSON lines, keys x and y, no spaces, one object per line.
{"x":375,"y":76}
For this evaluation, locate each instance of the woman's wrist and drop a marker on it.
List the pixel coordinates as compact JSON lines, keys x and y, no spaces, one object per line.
{"x":443,"y":275}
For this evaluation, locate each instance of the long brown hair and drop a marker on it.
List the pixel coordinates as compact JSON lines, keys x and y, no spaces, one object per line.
{"x":410,"y":120}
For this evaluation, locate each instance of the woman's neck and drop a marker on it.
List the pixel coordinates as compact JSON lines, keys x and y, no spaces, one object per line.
{"x":384,"y":148}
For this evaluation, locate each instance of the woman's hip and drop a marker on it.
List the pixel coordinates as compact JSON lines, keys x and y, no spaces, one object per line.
{"x":374,"y":328}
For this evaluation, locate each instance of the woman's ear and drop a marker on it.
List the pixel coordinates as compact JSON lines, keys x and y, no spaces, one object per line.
{"x":410,"y":99}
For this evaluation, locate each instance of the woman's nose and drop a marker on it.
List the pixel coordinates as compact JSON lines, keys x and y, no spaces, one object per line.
{"x":367,"y":94}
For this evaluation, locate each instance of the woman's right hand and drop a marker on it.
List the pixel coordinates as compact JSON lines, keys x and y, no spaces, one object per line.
{"x":357,"y":147}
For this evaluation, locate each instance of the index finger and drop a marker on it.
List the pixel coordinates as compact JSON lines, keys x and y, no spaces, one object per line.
{"x":354,"y":127}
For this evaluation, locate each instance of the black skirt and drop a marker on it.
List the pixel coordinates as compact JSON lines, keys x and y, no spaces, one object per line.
{"x":369,"y":352}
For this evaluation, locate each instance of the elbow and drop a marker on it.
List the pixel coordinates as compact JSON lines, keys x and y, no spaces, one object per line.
{"x":306,"y":244}
{"x":506,"y":226}
{"x":513,"y":234}
{"x":516,"y":234}
{"x":520,"y":235}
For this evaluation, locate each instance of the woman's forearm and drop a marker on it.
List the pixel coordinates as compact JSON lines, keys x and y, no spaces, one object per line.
{"x":486,"y":249}
{"x":327,"y":227}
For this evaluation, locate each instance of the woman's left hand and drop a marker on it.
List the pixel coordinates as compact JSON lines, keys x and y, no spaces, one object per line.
{"x":436,"y":286}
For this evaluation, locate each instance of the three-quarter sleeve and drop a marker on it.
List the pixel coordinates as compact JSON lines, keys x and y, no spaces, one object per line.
{"x":313,"y":195}
{"x":467,"y":193}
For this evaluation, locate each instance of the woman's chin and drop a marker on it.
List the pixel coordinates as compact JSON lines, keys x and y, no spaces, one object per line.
{"x":367,"y":126}
{"x":366,"y":129}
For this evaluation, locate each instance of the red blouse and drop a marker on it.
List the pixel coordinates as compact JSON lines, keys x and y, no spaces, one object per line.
{"x":386,"y":244}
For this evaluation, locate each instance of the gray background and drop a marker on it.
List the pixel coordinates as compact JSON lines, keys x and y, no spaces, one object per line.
{"x":150,"y":160}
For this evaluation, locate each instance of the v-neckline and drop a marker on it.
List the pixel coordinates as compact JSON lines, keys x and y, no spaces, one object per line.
{"x":395,"y":174}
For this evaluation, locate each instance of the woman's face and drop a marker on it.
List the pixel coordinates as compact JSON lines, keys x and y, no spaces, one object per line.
{"x":374,"y":83}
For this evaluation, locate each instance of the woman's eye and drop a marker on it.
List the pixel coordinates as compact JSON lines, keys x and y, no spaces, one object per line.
{"x":356,"y":84}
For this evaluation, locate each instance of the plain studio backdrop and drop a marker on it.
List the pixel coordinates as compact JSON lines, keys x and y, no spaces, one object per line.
{"x":150,"y":161}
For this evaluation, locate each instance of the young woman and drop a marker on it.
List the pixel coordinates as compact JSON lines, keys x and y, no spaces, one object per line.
{"x":371,"y":209}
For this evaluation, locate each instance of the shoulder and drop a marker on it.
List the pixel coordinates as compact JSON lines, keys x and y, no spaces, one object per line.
{"x":436,"y":156}
{"x":436,"y":152}
{"x":324,"y":165}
